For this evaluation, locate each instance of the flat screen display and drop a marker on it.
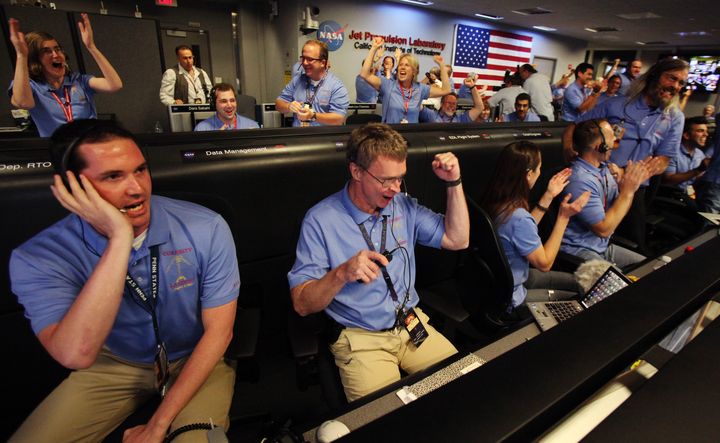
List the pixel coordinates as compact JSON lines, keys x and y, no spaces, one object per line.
{"x":704,"y":73}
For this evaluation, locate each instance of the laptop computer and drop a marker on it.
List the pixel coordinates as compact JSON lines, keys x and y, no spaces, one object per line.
{"x":550,"y":313}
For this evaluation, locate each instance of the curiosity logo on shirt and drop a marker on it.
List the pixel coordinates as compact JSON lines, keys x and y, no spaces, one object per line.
{"x":77,"y":95}
{"x":181,"y":266}
{"x":331,"y":34}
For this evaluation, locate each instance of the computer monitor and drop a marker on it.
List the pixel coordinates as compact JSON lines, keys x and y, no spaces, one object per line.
{"x":184,"y":117}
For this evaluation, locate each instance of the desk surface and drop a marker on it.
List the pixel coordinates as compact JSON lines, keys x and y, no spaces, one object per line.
{"x":680,"y":403}
{"x":522,"y":392}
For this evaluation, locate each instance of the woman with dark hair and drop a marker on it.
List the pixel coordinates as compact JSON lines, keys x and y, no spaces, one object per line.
{"x":44,"y":84}
{"x":506,"y":202}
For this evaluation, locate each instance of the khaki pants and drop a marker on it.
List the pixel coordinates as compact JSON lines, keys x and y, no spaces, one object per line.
{"x":92,"y":402}
{"x":370,"y":360}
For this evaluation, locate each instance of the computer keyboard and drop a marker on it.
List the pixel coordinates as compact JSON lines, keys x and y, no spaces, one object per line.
{"x":563,"y":310}
{"x":445,"y":375}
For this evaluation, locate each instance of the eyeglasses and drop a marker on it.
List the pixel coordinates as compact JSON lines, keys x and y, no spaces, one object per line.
{"x":386,"y":183}
{"x":304,"y":59}
{"x":49,"y":51}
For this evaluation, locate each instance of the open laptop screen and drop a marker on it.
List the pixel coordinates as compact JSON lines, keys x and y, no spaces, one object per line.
{"x":609,"y":283}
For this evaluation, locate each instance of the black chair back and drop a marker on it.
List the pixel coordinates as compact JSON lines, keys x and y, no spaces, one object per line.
{"x":488,"y":258}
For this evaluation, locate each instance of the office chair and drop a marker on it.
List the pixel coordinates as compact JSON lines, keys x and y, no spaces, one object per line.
{"x":314,"y":363}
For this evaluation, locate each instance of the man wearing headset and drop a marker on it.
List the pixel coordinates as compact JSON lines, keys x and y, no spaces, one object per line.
{"x":226,"y":118}
{"x":135,"y":293}
{"x":611,"y":194}
{"x":648,"y":123}
{"x":355,"y":260}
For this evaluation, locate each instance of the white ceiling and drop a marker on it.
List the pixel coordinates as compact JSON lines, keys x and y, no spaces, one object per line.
{"x":570,"y":18}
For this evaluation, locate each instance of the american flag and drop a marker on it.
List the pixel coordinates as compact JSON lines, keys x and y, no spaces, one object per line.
{"x":487,"y":53}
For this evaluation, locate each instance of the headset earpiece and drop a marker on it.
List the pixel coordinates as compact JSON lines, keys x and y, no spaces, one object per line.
{"x":603,"y":148}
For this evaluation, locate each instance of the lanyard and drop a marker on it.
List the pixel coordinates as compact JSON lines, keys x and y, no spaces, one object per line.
{"x":136,"y":291}
{"x":383,"y":238}
{"x":310,"y":98}
{"x":406,"y":99}
{"x":67,"y":106}
{"x":222,"y":123}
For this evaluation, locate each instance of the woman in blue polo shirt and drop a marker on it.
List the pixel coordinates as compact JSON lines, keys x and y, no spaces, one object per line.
{"x":506,"y":202}
{"x":401,"y":97}
{"x":44,"y":85}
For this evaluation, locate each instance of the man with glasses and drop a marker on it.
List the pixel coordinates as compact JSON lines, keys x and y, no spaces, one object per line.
{"x":316,"y":97}
{"x":135,"y":293}
{"x":448,"y":107}
{"x":648,"y":123}
{"x":355,"y":260}
{"x":611,"y":193}
{"x":184,"y":83}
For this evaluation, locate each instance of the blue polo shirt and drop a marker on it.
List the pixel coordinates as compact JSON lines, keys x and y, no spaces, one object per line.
{"x":214,"y":124}
{"x":364,"y":92}
{"x":430,"y":116}
{"x":685,"y":162}
{"x":603,"y":193}
{"x":648,"y":131}
{"x":393,"y":109}
{"x":464,"y":92}
{"x":575,"y":95}
{"x":519,"y":238}
{"x":198,"y":270}
{"x":48,"y":115}
{"x":712,"y":175}
{"x":513,"y":117}
{"x":329,"y":95}
{"x":330,"y":236}
{"x":625,"y":84}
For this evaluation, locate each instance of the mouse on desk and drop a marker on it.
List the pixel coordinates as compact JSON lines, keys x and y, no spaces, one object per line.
{"x":331,"y":430}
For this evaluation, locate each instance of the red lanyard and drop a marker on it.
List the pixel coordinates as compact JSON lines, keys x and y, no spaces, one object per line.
{"x":406,"y":100}
{"x":67,"y":106}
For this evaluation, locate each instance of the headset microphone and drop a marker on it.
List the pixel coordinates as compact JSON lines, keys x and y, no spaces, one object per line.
{"x":123,"y":210}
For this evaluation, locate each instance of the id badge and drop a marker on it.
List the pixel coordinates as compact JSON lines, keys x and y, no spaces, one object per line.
{"x":414,"y":326}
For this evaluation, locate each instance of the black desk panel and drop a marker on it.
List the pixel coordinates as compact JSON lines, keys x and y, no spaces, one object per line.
{"x":520,"y":394}
{"x":680,"y":403}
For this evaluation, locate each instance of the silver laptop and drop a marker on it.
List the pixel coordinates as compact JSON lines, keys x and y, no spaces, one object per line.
{"x":550,"y":313}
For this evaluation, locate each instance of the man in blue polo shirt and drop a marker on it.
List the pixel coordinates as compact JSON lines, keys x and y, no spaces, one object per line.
{"x":690,"y":162}
{"x":317,"y":97}
{"x":135,"y":293}
{"x":631,"y":73}
{"x":582,"y":95}
{"x":650,"y":124}
{"x":226,"y":117}
{"x":355,"y":260}
{"x":448,"y":108}
{"x":523,"y":110}
{"x":707,"y":187}
{"x":611,"y":194}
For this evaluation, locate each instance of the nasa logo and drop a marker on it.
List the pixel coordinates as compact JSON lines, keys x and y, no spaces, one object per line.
{"x":331,"y":34}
